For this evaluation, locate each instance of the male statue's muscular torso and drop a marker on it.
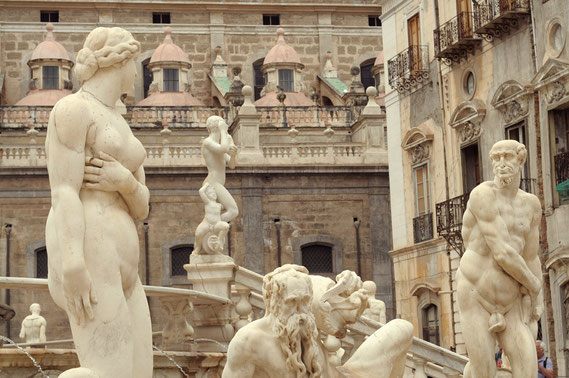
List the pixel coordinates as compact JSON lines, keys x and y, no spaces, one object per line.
{"x":478,"y":265}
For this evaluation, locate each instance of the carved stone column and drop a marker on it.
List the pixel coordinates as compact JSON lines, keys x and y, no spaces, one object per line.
{"x":246,"y":131}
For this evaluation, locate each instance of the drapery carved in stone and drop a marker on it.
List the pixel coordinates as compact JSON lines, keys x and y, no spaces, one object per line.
{"x":466,"y":120}
{"x":512,"y":99}
{"x":417,"y":142}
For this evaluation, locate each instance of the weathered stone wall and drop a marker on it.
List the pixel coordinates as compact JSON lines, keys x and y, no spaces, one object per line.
{"x":243,"y":36}
{"x":307,"y":204}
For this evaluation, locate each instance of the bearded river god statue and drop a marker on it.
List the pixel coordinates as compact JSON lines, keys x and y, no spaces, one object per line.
{"x":499,"y":277}
{"x":286,"y":342}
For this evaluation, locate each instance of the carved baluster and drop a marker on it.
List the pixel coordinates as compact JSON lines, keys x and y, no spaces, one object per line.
{"x":243,"y":308}
{"x":177,"y":329}
{"x":332,"y":345}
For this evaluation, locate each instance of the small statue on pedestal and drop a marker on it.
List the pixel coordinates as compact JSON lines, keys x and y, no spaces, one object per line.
{"x":33,"y":326}
{"x":218,"y":150}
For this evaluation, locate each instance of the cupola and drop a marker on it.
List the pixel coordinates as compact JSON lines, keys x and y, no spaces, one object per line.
{"x":51,"y":66}
{"x":170,"y":67}
{"x":282,"y":68}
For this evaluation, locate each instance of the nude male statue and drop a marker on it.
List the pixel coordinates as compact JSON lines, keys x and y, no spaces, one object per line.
{"x":218,"y":150}
{"x":376,"y":310}
{"x":499,"y":277}
{"x":33,"y":326}
{"x":286,"y":342}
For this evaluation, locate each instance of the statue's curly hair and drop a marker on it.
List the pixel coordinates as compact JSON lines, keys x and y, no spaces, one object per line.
{"x":105,"y":47}
{"x":273,"y":288}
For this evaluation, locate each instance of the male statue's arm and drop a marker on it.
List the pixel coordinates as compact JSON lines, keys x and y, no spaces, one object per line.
{"x":42,"y":331}
{"x":497,"y":237}
{"x":203,"y":196}
{"x":65,"y":145}
{"x":23,"y":331}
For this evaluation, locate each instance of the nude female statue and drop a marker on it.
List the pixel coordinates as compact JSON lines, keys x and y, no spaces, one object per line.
{"x":98,"y":189}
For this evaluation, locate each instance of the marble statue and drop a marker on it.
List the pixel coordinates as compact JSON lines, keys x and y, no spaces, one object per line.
{"x":33,"y":326}
{"x":376,"y":309}
{"x":499,"y":277}
{"x":97,"y":190}
{"x":218,"y":151}
{"x":286,"y":342}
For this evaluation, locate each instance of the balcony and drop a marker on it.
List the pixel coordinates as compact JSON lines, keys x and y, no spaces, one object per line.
{"x":455,"y":39}
{"x":494,"y":18}
{"x":423,"y":228}
{"x":409,"y":69}
{"x":528,"y":185}
{"x":449,"y":220}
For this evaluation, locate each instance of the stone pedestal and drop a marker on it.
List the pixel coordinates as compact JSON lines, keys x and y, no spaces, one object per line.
{"x":212,"y":274}
{"x":177,"y":331}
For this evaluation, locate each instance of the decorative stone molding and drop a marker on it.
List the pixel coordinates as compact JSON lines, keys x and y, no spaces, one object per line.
{"x":466,"y":120}
{"x":512,"y":99}
{"x":417,"y":142}
{"x":553,"y":80}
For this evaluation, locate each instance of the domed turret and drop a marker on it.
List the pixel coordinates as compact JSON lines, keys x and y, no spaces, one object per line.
{"x":282,"y":68}
{"x":170,"y":67}
{"x":50,"y":65}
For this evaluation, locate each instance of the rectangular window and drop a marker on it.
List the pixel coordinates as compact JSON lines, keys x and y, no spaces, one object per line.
{"x":178,"y":257}
{"x":160,"y":18}
{"x":49,"y":16}
{"x":170,"y":80}
{"x":259,"y":78}
{"x":50,"y":77}
{"x":422,"y":195}
{"x":373,"y":20}
{"x":41,"y":263}
{"x":518,"y":132}
{"x":366,"y":75}
{"x":271,"y":19}
{"x":286,"y":80}
{"x":559,"y":120}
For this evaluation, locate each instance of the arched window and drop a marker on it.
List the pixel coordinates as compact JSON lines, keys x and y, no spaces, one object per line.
{"x":317,"y":258}
{"x":259,"y":79}
{"x":41,"y":263}
{"x":431,"y":324}
{"x":180,"y":255}
{"x":326,"y":101}
{"x":366,"y":74}
{"x":146,"y":76}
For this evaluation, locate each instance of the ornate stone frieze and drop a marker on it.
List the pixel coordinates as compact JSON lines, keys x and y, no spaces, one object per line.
{"x":512,"y":100}
{"x":417,"y":142}
{"x":466,"y":120}
{"x":556,"y":92}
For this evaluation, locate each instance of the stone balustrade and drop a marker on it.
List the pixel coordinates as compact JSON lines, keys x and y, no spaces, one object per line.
{"x":160,"y":155}
{"x":16,"y":116}
{"x":304,"y":116}
{"x":193,"y":116}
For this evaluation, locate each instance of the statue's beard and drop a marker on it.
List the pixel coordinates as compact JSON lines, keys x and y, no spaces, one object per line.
{"x":298,"y":340}
{"x":505,"y":178}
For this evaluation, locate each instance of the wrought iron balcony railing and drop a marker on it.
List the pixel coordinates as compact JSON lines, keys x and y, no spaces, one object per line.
{"x":409,"y":68}
{"x":493,"y":18}
{"x":449,"y":220}
{"x":423,"y":228}
{"x":528,"y":185}
{"x":455,"y":39}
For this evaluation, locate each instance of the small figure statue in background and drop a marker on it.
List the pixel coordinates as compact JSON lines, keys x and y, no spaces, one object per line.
{"x":33,"y":326}
{"x":212,"y":231}
{"x":376,"y":310}
{"x":218,"y":150}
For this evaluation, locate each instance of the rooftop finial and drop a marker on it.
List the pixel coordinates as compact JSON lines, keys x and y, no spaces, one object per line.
{"x":49,"y":27}
{"x":280,"y":34}
{"x":168,"y":32}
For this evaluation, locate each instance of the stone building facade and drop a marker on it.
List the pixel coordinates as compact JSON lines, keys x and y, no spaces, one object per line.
{"x":495,"y":70}
{"x":312,"y":188}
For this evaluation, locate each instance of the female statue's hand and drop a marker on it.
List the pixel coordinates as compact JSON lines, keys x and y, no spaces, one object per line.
{"x":107,"y":174}
{"x":79,"y":292}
